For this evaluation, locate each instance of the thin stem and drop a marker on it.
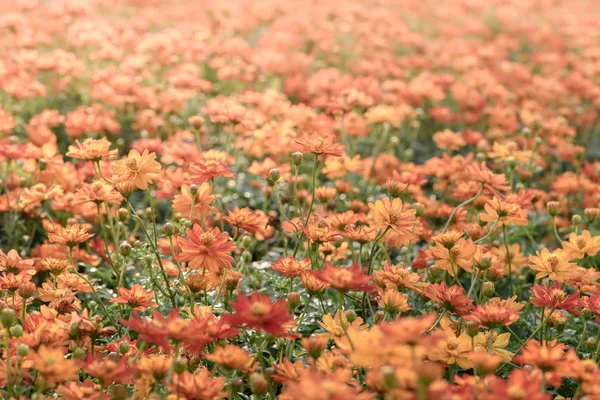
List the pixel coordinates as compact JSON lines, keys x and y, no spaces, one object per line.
{"x":314,"y":184}
{"x":508,"y":261}
{"x":461,"y":205}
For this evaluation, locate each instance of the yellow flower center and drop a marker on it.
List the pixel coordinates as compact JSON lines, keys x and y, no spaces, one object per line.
{"x":131,"y":163}
{"x":207,"y":238}
{"x":553,"y":261}
{"x":259,"y":309}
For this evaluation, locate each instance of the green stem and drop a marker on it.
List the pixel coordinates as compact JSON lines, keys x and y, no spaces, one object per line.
{"x":461,"y":205}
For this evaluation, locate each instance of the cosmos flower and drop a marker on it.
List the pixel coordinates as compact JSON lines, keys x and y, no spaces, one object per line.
{"x":136,"y":298}
{"x":555,"y":265}
{"x":209,"y":249}
{"x":258,"y":312}
{"x":137,"y":169}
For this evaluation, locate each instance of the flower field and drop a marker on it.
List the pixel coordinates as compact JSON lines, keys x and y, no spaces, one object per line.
{"x":328,"y":200}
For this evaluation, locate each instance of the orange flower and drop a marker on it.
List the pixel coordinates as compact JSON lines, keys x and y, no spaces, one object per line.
{"x":51,"y":364}
{"x":580,"y":246}
{"x":459,"y":255}
{"x":92,"y":149}
{"x":257,"y":312}
{"x":231,"y":356}
{"x":492,"y":182}
{"x":198,"y":385}
{"x":98,"y":192}
{"x":393,"y":302}
{"x":209,"y":170}
{"x":386,"y":213}
{"x":453,"y":349}
{"x":450,"y":298}
{"x":320,"y":144}
{"x":503,"y":213}
{"x":206,"y":249}
{"x":344,"y":279}
{"x":203,"y":201}
{"x":244,"y":219}
{"x":137,"y":298}
{"x":291,"y":267}
{"x":554,"y":297}
{"x":36,"y":195}
{"x":492,"y":315}
{"x":555,"y":265}
{"x":70,"y":236}
{"x":137,"y":169}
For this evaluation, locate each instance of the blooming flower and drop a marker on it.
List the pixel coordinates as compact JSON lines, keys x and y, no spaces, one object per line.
{"x":137,"y":169}
{"x":209,"y":249}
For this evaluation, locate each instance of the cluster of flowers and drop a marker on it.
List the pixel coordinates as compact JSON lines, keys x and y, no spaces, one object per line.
{"x":299,"y":200}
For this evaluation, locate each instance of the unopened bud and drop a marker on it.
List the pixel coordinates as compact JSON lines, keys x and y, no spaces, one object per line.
{"x":22,"y":350}
{"x":419,"y":208}
{"x":16,"y":331}
{"x":125,"y":249}
{"x":259,"y":384}
{"x":472,"y":328}
{"x":168,"y":229}
{"x":389,"y":376}
{"x":553,"y":208}
{"x":576,"y":220}
{"x":274,"y":175}
{"x":297,"y":158}
{"x":179,"y":365}
{"x":488,"y":289}
{"x":79,"y":353}
{"x":122,"y":214}
{"x":7,"y":317}
{"x":486,"y":262}
{"x":591,"y":214}
{"x":194,"y":189}
{"x":293,"y":300}
{"x":587,"y":314}
{"x":123,"y":347}
{"x":591,"y":344}
{"x":350,"y":316}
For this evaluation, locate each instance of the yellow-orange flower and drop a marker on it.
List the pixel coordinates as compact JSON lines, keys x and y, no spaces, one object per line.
{"x":555,"y":265}
{"x":137,"y":169}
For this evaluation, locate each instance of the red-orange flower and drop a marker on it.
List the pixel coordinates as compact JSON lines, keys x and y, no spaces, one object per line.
{"x":554,"y":297}
{"x":344,"y":279}
{"x":451,"y":298}
{"x":258,"y":312}
{"x":137,"y":298}
{"x":492,"y":315}
{"x":211,"y":249}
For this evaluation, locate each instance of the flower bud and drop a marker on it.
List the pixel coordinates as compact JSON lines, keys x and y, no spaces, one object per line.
{"x":591,"y":343}
{"x":350,"y":316}
{"x":246,"y":241}
{"x":486,"y":262}
{"x":488,"y":289}
{"x":472,"y":328}
{"x":74,"y":331}
{"x":315,"y":345}
{"x":237,"y":383}
{"x":22,"y":350}
{"x":293,"y":300}
{"x":179,"y":365}
{"x":274,"y":175}
{"x":553,"y":208}
{"x":591,"y":214}
{"x":246,"y":256}
{"x":125,"y":249}
{"x":79,"y":353}
{"x":196,"y":121}
{"x":16,"y":331}
{"x":419,"y":208}
{"x":389,"y":376}
{"x":7,"y":317}
{"x":587,"y":314}
{"x":297,"y":158}
{"x":193,"y":189}
{"x":123,"y":347}
{"x":259,"y":384}
{"x":576,"y":220}
{"x":122,"y":214}
{"x":168,"y":229}
{"x":379,"y":316}
{"x":395,"y":188}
